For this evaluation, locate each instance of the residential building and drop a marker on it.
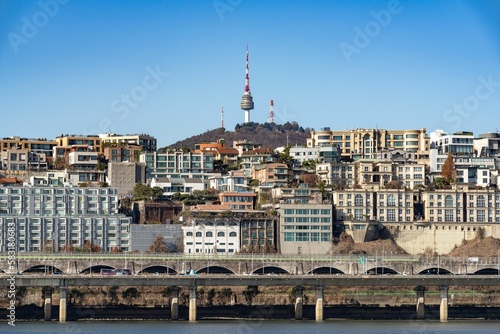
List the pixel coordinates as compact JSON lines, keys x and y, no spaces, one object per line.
{"x":255,"y":157}
{"x":38,"y":146}
{"x":458,"y":144}
{"x":15,"y":159}
{"x":238,"y":200}
{"x":235,"y":181}
{"x":305,"y":228}
{"x":366,"y":143}
{"x":225,"y":154}
{"x":487,"y":145}
{"x":52,"y":178}
{"x":178,"y":163}
{"x":385,"y":205}
{"x":271,"y":175}
{"x":212,"y":236}
{"x":122,"y":152}
{"x":337,"y":174}
{"x":244,"y":145}
{"x":94,"y":142}
{"x":62,"y":217}
{"x":462,"y":204}
{"x":326,"y":153}
{"x":146,"y":142}
{"x":184,"y":186}
{"x":302,"y":194}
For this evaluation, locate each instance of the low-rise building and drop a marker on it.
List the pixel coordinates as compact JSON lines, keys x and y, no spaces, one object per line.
{"x":271,"y":175}
{"x":305,"y":228}
{"x":212,"y":236}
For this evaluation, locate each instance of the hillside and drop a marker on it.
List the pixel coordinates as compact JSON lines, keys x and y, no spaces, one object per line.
{"x":268,"y":134}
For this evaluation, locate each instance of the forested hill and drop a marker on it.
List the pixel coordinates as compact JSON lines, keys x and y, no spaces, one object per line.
{"x":268,"y":134}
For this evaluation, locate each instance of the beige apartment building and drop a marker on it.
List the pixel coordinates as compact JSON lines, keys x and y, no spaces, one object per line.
{"x":69,"y":140}
{"x":366,"y":143}
{"x":40,"y":145}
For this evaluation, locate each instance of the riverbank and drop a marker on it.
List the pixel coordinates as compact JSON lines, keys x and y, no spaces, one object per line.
{"x":278,"y":312}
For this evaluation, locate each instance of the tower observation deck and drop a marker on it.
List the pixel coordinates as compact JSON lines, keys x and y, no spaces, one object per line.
{"x":247,"y":100}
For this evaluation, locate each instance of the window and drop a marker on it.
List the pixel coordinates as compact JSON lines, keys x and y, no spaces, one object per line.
{"x":448,"y":215}
{"x":480,"y":201}
{"x":189,"y":234}
{"x":209,"y":234}
{"x":220,"y":234}
{"x":448,"y":202}
{"x":358,"y":200}
{"x":198,"y":234}
{"x":391,"y":200}
{"x":391,"y":214}
{"x":232,"y":234}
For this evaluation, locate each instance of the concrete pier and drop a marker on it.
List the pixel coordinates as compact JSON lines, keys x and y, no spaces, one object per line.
{"x":319,"y":303}
{"x":192,"y":303}
{"x":420,"y":302}
{"x":174,"y":304}
{"x":298,"y":303}
{"x":443,"y":306}
{"x":47,"y":303}
{"x":63,"y":293}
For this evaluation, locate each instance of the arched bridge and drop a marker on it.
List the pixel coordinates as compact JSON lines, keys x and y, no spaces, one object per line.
{"x":262,"y":264}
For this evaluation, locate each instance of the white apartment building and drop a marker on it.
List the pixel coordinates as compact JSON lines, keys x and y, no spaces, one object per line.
{"x":178,"y":163}
{"x":215,"y":236}
{"x":62,"y":217}
{"x":235,"y":181}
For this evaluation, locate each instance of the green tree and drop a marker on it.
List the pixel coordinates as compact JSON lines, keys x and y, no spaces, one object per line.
{"x":440,"y":182}
{"x":156,"y":192}
{"x":285,"y":157}
{"x":142,"y":191}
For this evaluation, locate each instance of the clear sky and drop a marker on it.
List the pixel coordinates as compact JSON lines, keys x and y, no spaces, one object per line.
{"x":166,"y":67}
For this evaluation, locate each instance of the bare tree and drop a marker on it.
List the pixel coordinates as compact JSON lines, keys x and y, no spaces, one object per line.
{"x":158,"y":245}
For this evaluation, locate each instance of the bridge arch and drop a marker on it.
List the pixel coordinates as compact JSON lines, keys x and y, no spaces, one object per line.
{"x":435,"y":271}
{"x":381,"y":271}
{"x":215,"y":270}
{"x":95,"y":269}
{"x":43,"y":269}
{"x":487,"y":271}
{"x":158,"y":269}
{"x":270,"y":270}
{"x":325,"y":271}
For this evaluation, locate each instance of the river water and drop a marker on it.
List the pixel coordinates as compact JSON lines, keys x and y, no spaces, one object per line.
{"x":257,"y":327}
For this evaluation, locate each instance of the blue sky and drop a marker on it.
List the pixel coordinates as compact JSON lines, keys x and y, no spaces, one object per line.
{"x":166,"y":67}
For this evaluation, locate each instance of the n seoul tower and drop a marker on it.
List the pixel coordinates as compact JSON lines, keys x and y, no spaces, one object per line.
{"x":246,"y":100}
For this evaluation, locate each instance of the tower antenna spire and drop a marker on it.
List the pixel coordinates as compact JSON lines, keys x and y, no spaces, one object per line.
{"x":270,"y":118}
{"x":222,"y":117}
{"x":247,"y":100}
